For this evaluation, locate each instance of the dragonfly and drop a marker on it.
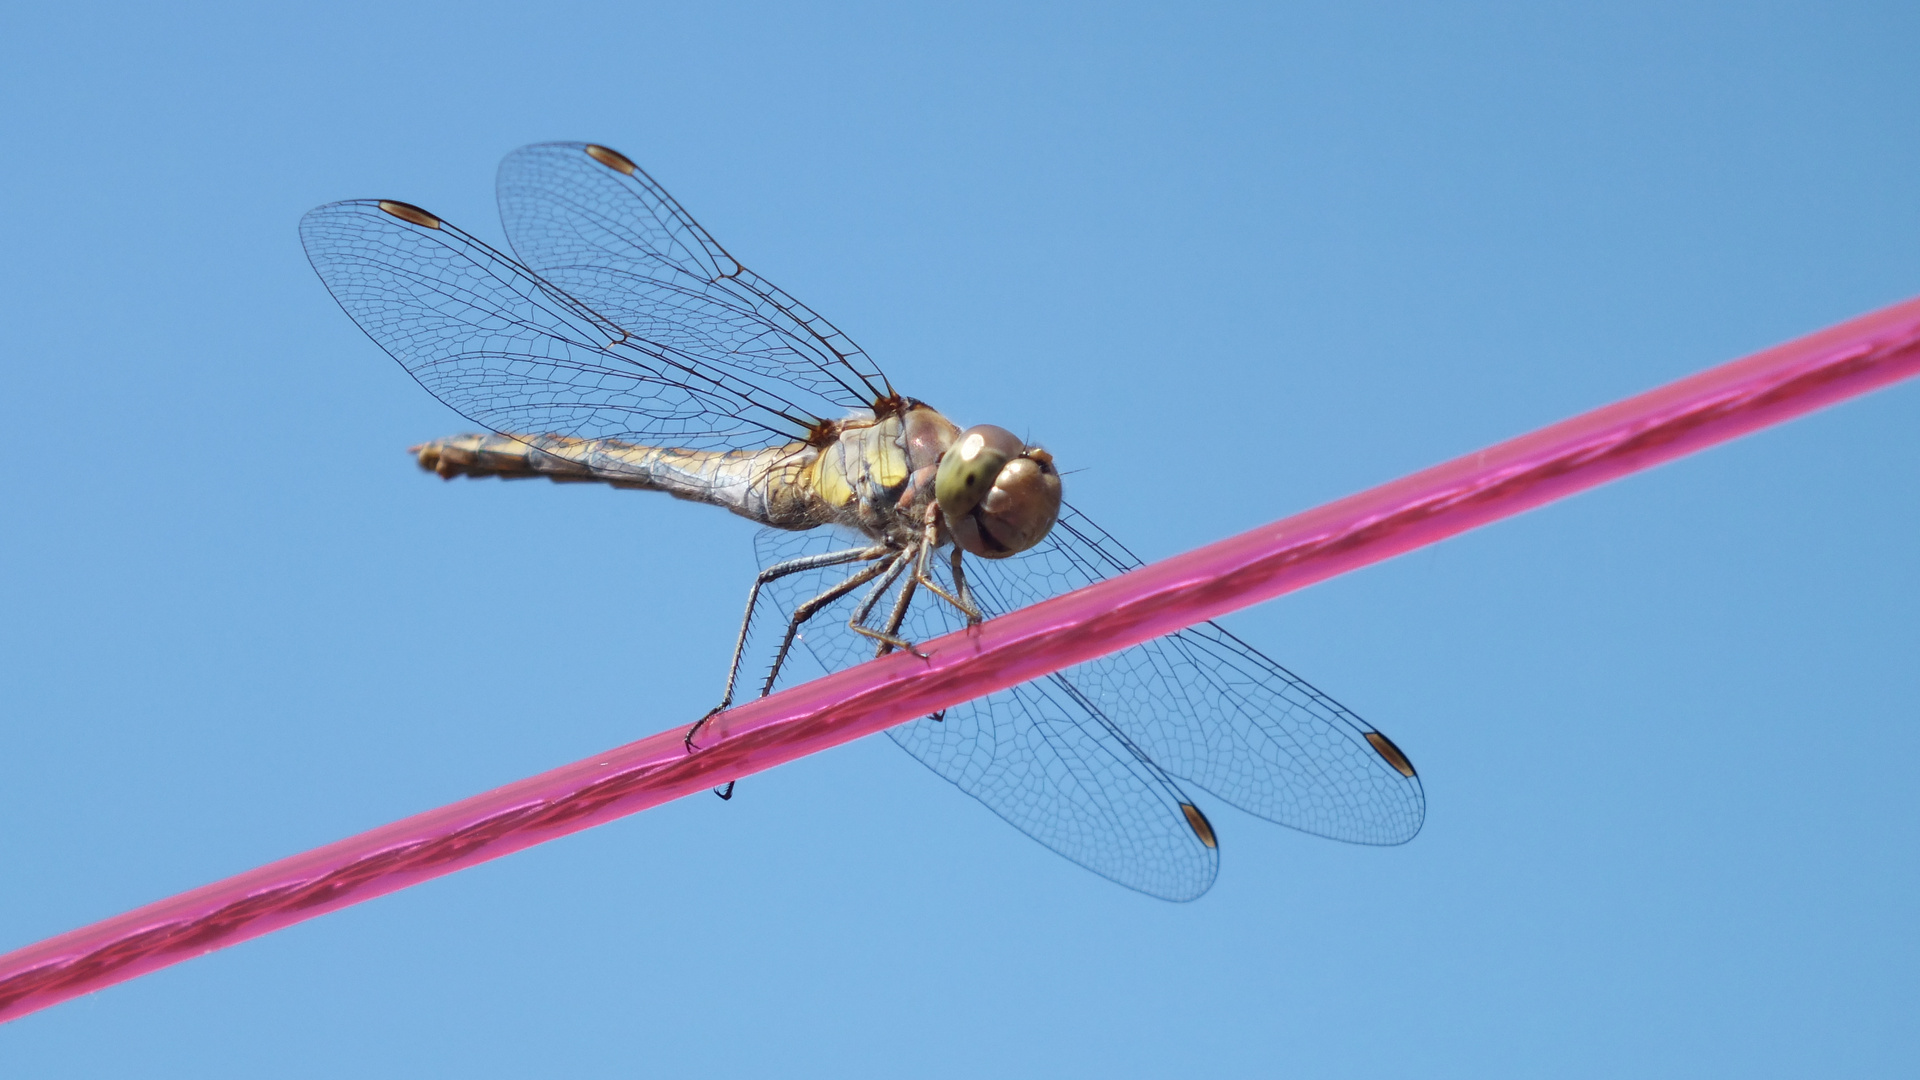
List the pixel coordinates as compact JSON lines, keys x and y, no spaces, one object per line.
{"x":619,"y":343}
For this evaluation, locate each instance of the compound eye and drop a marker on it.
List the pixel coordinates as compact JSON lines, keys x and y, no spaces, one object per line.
{"x":1018,"y":511}
{"x":970,"y":466}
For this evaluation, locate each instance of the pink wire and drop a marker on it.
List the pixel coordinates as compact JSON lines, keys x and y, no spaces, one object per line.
{"x":1731,"y":400}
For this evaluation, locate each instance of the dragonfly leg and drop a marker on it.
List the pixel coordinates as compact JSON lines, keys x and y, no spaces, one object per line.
{"x":906,"y":595}
{"x":811,"y":608}
{"x":859,"y":621}
{"x":967,"y":602}
{"x":962,"y":601}
{"x":774,"y":573}
{"x":899,"y":614}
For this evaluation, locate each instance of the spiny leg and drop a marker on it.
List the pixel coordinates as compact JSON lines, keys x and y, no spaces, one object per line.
{"x":811,"y":608}
{"x":960,"y":585}
{"x":806,"y":611}
{"x":859,"y":621}
{"x":962,"y":597}
{"x":897,"y":616}
{"x":967,"y":604}
{"x":770,"y":574}
{"x":924,"y":571}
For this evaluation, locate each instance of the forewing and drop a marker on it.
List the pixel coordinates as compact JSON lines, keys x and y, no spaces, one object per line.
{"x":511,"y":351}
{"x":594,"y":224}
{"x":1210,"y":709}
{"x":1039,"y":755}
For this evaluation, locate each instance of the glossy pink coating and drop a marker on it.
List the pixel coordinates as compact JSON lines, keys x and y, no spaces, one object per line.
{"x":1766,"y":388}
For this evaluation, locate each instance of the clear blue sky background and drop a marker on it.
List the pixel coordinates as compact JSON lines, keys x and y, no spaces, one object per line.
{"x":1232,"y":262}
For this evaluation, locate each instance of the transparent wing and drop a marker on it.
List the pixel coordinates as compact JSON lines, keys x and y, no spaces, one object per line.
{"x":1200,"y":705}
{"x":1040,"y":755}
{"x":1210,"y":709}
{"x":517,"y":354}
{"x":591,"y":222}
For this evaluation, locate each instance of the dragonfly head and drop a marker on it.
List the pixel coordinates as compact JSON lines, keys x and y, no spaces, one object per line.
{"x":999,"y":495}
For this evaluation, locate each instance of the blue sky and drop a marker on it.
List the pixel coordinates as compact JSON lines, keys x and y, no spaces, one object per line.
{"x":1232,"y":262}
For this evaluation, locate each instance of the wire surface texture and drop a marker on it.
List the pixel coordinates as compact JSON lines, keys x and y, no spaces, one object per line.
{"x":1778,"y":384}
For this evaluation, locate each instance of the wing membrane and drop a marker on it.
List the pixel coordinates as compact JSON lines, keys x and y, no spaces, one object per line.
{"x":594,"y":224}
{"x":1200,"y":705}
{"x":1040,"y":755}
{"x":1212,"y":710}
{"x":514,"y":352}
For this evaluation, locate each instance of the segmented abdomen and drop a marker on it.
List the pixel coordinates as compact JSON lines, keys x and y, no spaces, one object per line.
{"x":773,"y":486}
{"x":508,"y":458}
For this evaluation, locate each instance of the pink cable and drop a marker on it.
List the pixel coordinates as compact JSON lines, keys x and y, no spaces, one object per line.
{"x":1731,"y":400}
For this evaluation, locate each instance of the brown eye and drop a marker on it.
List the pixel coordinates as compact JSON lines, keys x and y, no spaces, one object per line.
{"x":969,"y":467}
{"x":1017,"y":512}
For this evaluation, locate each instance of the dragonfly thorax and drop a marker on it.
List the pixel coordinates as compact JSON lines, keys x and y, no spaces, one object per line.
{"x":885,"y":475}
{"x":875,"y":474}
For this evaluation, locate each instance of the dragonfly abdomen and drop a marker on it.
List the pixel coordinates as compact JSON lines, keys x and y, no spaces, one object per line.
{"x":756,"y":484}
